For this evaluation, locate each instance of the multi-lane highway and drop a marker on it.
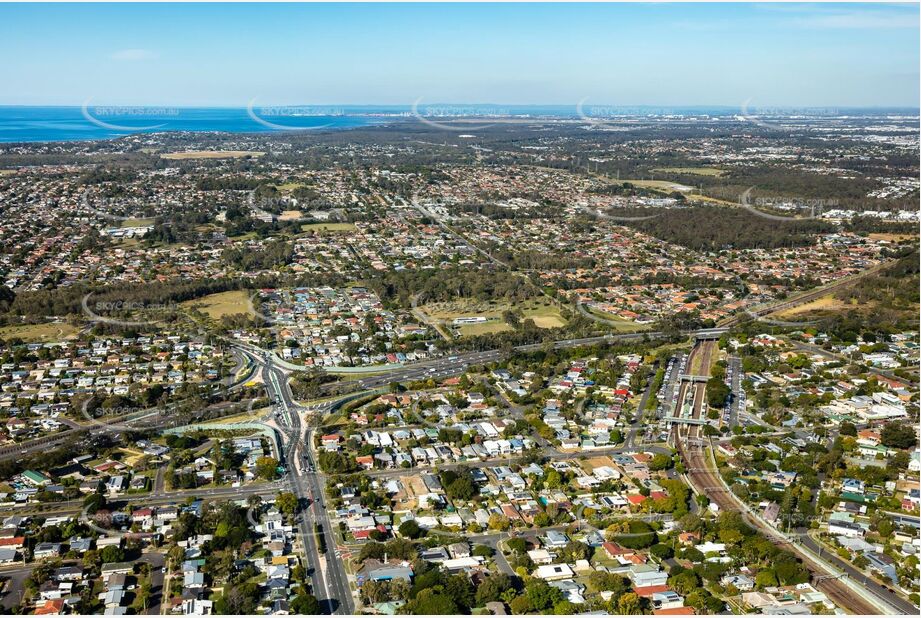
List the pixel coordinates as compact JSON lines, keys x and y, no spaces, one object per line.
{"x":458,"y":363}
{"x":329,"y":581}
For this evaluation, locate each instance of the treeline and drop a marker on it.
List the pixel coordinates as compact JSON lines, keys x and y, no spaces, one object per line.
{"x":68,"y":301}
{"x":449,"y":284}
{"x":177,"y":227}
{"x":102,"y":175}
{"x":874,"y":225}
{"x":894,"y":288}
{"x":275,"y":253}
{"x":494,"y":211}
{"x":65,"y":301}
{"x":528,"y":333}
{"x":234,"y":183}
{"x":784,"y":180}
{"x":711,"y":228}
{"x":536,"y":260}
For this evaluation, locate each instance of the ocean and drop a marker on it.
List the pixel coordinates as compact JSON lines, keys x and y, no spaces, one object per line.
{"x":94,"y":122}
{"x":51,"y":124}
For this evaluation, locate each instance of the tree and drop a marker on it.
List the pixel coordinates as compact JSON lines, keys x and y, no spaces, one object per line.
{"x":661,"y":461}
{"x":899,"y":461}
{"x":601,"y":581}
{"x":661,"y":551}
{"x":553,"y":480}
{"x":717,"y":392}
{"x":239,"y":599}
{"x":629,"y":604}
{"x":517,"y":545}
{"x":286,"y":503}
{"x":111,"y":553}
{"x":336,"y":463}
{"x":520,"y":605}
{"x":684,"y":582}
{"x":790,"y":572}
{"x":306,"y":604}
{"x":576,"y":550}
{"x":373,"y":591}
{"x":267,"y":468}
{"x":483,"y":551}
{"x":884,"y":527}
{"x":847,"y":429}
{"x":461,"y":488}
{"x":377,"y":535}
{"x":492,"y":587}
{"x":94,"y":502}
{"x":430,"y":602}
{"x":898,"y":435}
{"x":542,"y":595}
{"x":410,"y":529}
{"x":565,"y":608}
{"x":461,"y":591}
{"x":498,"y":522}
{"x":765,"y":578}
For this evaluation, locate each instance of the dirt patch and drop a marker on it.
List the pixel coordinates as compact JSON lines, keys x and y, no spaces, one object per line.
{"x":824,"y":303}
{"x":592,"y":463}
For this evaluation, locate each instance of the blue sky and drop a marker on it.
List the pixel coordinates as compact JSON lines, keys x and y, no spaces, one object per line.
{"x":623,"y":54}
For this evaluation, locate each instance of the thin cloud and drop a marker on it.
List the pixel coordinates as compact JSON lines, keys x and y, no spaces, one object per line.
{"x":858,"y":20}
{"x":813,"y":18}
{"x":886,"y":16}
{"x":131,"y":55}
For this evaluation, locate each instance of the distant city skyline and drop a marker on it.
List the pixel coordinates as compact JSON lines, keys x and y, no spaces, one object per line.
{"x":619,"y":55}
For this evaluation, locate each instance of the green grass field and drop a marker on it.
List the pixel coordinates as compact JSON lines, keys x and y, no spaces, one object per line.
{"x":289,"y":186}
{"x":616,"y":322}
{"x":328,"y":227}
{"x":49,"y":331}
{"x":494,"y":325}
{"x":697,"y":171}
{"x":544,"y":313}
{"x":218,"y":305}
{"x":212,"y":154}
{"x":660,"y":185}
{"x":137,"y":222}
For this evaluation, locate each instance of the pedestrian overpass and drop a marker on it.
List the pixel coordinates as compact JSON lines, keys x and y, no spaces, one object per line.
{"x":689,"y":377}
{"x":685,"y":421}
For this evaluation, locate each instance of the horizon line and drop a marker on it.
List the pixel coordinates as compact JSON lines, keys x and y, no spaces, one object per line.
{"x":409,"y":106}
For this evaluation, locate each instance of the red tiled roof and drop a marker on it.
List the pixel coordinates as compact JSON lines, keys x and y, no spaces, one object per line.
{"x":51,"y":607}
{"x":613,"y":549}
{"x":648,"y":591}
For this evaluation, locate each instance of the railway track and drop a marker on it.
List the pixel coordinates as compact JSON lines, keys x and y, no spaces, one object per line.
{"x":704,"y":479}
{"x":804,"y":298}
